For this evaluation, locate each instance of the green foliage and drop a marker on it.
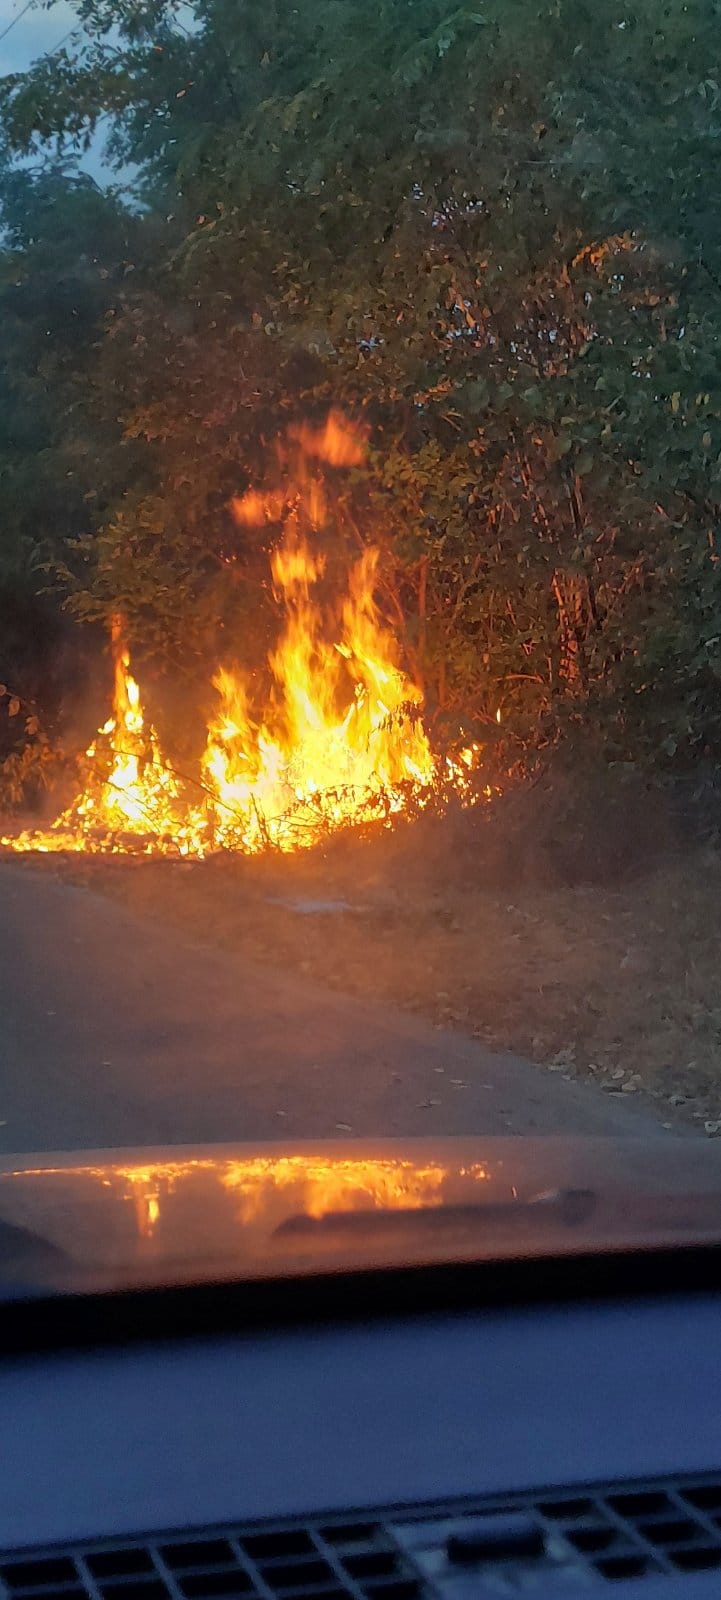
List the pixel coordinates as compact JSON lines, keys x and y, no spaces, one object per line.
{"x":29,"y":773}
{"x":35,"y":762}
{"x":486,"y":229}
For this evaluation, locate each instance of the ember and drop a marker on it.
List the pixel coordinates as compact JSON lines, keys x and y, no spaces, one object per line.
{"x":340,"y":742}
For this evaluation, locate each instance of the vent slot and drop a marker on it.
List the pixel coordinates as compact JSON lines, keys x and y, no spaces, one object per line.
{"x":697,"y":1560}
{"x":268,"y":1546}
{"x":197,"y":1553}
{"x":209,"y":1585}
{"x":629,"y":1566}
{"x":120,"y":1564}
{"x":596,"y":1536}
{"x":32,"y":1574}
{"x":300,"y":1574}
{"x":134,"y":1589}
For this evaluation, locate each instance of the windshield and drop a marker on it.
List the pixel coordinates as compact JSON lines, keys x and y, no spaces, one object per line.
{"x":360,"y":609}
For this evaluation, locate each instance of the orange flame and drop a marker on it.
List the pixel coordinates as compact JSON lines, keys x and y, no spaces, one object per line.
{"x":252,"y":508}
{"x":340,"y":1183}
{"x":339,"y":742}
{"x":346,"y":742}
{"x":337,"y":442}
{"x":132,"y":799}
{"x":317,"y":1183}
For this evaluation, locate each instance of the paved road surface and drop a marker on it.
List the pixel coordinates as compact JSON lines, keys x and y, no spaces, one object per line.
{"x":114,"y":1031}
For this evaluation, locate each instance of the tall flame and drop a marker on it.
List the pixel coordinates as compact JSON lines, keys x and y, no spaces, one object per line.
{"x":339,"y":741}
{"x":140,"y":793}
{"x":345,"y":742}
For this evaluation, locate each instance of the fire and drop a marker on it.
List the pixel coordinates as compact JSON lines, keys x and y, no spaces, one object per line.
{"x":339,"y":1184}
{"x":140,"y":792}
{"x":337,"y":443}
{"x":131,"y":795}
{"x":339,"y":740}
{"x":345,"y":742}
{"x":251,"y":508}
{"x":316,"y":1183}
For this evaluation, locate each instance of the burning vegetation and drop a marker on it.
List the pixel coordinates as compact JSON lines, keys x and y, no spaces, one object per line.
{"x":340,"y":740}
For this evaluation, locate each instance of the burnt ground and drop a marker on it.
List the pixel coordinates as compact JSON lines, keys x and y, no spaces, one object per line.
{"x":583,"y":935}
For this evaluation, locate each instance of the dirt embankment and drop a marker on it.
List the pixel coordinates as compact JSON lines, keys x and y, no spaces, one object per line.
{"x":583,"y":935}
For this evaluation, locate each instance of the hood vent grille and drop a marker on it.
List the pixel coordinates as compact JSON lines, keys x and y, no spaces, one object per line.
{"x":606,"y":1533}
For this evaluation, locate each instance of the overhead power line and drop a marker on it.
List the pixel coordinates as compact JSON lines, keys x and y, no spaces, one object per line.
{"x":15,"y":19}
{"x":76,"y":28}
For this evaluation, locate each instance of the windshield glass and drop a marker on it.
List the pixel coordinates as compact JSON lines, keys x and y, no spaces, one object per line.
{"x":360,"y":609}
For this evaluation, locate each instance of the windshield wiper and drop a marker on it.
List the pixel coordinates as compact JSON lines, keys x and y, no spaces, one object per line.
{"x":567,"y":1207}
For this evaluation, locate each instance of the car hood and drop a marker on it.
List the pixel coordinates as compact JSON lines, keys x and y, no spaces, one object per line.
{"x":122,"y":1218}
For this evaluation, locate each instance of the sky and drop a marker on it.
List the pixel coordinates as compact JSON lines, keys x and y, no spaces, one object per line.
{"x":36,"y":32}
{"x":33,"y":34}
{"x":39,"y":31}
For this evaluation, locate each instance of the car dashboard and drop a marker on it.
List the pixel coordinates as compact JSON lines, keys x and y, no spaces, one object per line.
{"x":565,"y":1444}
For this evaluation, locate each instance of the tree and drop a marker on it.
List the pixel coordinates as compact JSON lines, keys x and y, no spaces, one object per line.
{"x":446,"y":219}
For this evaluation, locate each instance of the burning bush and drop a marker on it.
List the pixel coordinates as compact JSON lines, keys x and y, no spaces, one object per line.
{"x":340,"y":741}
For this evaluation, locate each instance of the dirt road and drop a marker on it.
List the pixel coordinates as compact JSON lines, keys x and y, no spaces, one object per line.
{"x":115,"y":1030}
